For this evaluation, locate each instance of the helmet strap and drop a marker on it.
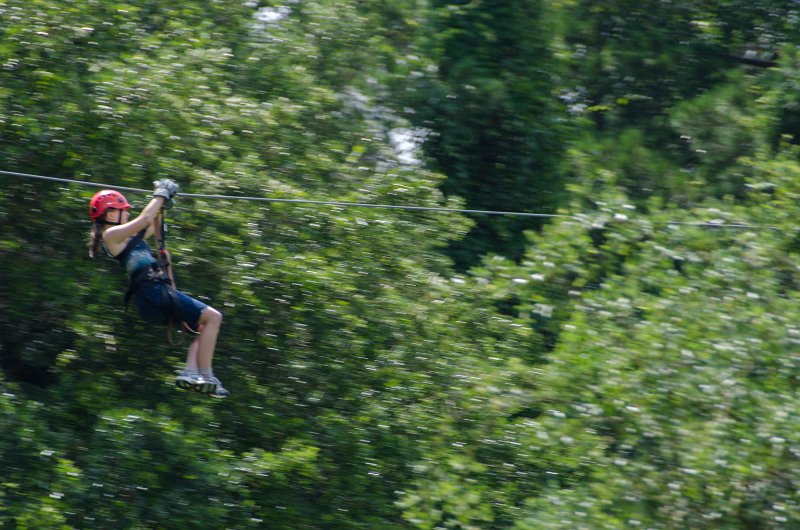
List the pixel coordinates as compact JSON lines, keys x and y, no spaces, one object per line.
{"x":103,"y":221}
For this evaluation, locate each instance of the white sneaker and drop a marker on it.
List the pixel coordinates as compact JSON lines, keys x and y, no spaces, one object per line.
{"x":219,"y":391}
{"x":196,"y":382}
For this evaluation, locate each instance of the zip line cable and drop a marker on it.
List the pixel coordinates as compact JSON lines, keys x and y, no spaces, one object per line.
{"x":715,"y":224}
{"x":295,"y":201}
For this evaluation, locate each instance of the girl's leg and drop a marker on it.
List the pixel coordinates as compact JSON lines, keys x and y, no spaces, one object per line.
{"x":191,"y":357}
{"x":202,"y":349}
{"x":188,"y":378}
{"x":198,"y":373}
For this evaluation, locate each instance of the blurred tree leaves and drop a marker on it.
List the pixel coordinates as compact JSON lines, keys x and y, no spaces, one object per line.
{"x":496,"y":126}
{"x":344,"y":329}
{"x":672,"y":360}
{"x":617,"y":367}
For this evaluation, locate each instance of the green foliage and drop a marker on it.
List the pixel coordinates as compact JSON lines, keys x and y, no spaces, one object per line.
{"x":780,"y":100}
{"x":672,"y":361}
{"x":719,"y":127}
{"x":619,"y":367}
{"x":496,"y":129}
{"x":631,"y":61}
{"x":344,"y":333}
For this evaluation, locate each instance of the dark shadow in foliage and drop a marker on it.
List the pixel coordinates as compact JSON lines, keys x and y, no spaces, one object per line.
{"x":497,"y":128}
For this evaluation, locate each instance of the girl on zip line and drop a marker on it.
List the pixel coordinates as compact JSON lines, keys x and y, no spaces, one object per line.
{"x":151,"y":285}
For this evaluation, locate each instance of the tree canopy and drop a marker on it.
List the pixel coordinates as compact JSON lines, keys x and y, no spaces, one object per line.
{"x":630,"y":362}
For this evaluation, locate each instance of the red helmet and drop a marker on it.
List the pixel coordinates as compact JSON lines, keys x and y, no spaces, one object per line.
{"x":105,"y":199}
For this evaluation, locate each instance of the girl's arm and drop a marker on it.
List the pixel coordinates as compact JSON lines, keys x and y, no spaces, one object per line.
{"x":116,"y":235}
{"x":151,"y":230}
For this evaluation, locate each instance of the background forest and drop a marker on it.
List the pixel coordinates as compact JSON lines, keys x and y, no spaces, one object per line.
{"x":631,"y":362}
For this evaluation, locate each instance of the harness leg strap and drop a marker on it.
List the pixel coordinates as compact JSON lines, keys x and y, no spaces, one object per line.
{"x":171,"y":306}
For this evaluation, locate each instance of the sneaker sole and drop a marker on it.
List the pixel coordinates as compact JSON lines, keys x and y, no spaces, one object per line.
{"x":183,"y":384}
{"x":205,"y":388}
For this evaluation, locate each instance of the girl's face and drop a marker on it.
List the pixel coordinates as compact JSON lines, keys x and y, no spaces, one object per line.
{"x":115,"y":216}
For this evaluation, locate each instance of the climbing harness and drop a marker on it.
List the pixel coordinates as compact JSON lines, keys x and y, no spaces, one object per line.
{"x":170,"y":300}
{"x":158,"y":273}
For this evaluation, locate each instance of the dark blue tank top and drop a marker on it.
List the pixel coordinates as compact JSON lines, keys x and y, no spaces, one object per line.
{"x":137,"y":257}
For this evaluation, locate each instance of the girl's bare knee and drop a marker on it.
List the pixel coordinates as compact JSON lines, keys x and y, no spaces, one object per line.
{"x":211,"y":316}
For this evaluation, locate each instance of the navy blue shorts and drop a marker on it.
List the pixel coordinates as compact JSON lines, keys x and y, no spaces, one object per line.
{"x":150,"y":300}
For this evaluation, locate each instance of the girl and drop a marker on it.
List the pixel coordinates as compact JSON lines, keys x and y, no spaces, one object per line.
{"x":155,"y":298}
